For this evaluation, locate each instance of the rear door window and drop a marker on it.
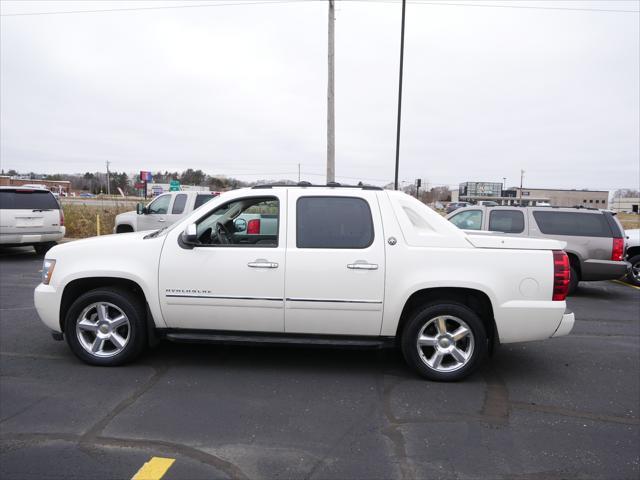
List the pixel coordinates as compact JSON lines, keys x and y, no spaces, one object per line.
{"x":178,"y":204}
{"x":333,"y":222}
{"x":28,"y":200}
{"x":468,"y":220}
{"x":572,"y":224}
{"x":507,"y":221}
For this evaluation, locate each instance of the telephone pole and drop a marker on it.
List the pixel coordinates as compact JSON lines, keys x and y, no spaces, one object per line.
{"x":331,"y":121}
{"x":298,"y":173}
{"x":108,"y":179}
{"x":521,"y":177}
{"x":395,"y":183}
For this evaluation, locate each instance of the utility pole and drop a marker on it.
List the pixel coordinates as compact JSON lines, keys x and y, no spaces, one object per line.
{"x":521,"y":177}
{"x":298,"y":173}
{"x":395,"y":183}
{"x":108,"y":179}
{"x":504,"y":183}
{"x":331,"y":121}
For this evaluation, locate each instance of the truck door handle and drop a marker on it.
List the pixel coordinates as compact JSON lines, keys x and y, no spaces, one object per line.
{"x":161,"y":220}
{"x":362,"y":266}
{"x":262,"y":264}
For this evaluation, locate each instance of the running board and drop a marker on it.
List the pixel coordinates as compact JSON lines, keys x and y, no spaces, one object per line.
{"x":238,"y":338}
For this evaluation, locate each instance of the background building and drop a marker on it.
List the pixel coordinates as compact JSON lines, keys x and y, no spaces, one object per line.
{"x":58,"y":186}
{"x":625,"y":204}
{"x":474,"y":192}
{"x":567,"y":198}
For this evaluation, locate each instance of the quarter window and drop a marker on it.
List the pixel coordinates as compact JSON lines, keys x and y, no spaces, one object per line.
{"x":333,"y":222}
{"x":178,"y":204}
{"x":202,"y":199}
{"x":468,"y":220}
{"x":576,"y":224}
{"x":160,"y":205}
{"x":507,"y":221}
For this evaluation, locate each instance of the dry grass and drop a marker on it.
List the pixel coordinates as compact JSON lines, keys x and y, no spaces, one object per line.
{"x":81,"y":220}
{"x":629,"y":220}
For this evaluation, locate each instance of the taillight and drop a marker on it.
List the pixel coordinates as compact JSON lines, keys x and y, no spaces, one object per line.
{"x":253,"y":226}
{"x":617,"y":251}
{"x":561,"y":275}
{"x":61,"y":218}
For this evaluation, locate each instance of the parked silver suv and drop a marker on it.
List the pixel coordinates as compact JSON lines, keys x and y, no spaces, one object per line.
{"x":595,"y":238}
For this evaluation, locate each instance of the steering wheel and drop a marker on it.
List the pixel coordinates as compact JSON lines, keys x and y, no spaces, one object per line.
{"x":222,"y":234}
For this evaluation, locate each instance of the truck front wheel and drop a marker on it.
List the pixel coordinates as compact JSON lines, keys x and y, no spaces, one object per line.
{"x":106,"y":327}
{"x":444,"y":342}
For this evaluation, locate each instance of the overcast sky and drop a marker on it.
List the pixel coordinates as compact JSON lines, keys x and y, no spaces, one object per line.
{"x":241,"y":90}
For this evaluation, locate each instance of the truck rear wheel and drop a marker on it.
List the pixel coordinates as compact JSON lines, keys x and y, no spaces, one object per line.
{"x":106,"y":327}
{"x":444,"y":342}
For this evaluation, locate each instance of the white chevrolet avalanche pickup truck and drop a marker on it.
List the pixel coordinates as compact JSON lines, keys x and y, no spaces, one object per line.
{"x":346,"y":266}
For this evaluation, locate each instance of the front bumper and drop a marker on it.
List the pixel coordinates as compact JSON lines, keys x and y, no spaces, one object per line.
{"x":47,"y":301}
{"x":603,"y":270}
{"x":566,"y":324}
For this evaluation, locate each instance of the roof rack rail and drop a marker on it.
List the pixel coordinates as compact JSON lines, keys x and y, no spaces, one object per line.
{"x":308,"y":184}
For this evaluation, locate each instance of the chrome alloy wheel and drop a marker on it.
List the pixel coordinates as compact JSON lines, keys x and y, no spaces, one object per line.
{"x":103,"y":329}
{"x":445,"y":343}
{"x":635,"y":271}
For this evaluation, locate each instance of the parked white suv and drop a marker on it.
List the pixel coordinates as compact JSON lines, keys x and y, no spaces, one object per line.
{"x":344,"y":266}
{"x":30,"y":216}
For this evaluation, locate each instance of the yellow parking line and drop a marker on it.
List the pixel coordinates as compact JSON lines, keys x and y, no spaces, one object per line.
{"x":154,"y":469}
{"x":626,"y":284}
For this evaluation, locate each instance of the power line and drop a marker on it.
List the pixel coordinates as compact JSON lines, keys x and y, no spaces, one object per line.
{"x":165,"y":7}
{"x":299,"y":2}
{"x":528,"y":7}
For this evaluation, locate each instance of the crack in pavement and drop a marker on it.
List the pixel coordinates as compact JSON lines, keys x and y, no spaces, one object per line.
{"x":392,"y":431}
{"x":172,"y":448}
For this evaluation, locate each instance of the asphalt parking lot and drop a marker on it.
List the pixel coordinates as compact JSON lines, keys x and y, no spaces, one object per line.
{"x":566,"y":407}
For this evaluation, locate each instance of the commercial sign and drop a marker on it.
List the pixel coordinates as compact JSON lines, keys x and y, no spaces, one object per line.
{"x":138,"y":185}
{"x":174,"y":186}
{"x":145,"y":176}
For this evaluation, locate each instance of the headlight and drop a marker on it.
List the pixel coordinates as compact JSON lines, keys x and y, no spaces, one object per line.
{"x":47,"y":271}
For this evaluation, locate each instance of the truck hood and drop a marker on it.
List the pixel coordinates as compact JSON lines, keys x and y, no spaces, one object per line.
{"x":120,"y":218}
{"x":517,"y":243}
{"x":104,"y":244}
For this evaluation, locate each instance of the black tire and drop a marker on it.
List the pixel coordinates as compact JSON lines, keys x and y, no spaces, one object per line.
{"x":43,"y":248}
{"x":134,"y":310}
{"x":635,"y":264}
{"x":573,"y":281}
{"x":421,"y":317}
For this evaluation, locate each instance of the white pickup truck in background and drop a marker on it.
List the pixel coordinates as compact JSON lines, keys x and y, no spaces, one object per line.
{"x":164,"y":210}
{"x":343,"y":266}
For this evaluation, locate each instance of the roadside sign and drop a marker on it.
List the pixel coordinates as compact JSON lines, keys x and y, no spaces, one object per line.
{"x":174,"y":186}
{"x":145,"y":176}
{"x":138,"y":185}
{"x":157,"y":190}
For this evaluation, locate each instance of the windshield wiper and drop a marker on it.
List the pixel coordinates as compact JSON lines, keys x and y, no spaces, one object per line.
{"x":155,"y":234}
{"x":42,"y":209}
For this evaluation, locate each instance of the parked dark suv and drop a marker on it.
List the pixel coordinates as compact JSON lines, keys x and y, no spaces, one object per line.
{"x":595,"y":238}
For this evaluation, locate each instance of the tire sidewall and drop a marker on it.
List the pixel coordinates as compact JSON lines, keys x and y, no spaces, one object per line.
{"x":630,"y":278}
{"x":129,"y":305}
{"x":573,"y":281}
{"x":420,"y":317}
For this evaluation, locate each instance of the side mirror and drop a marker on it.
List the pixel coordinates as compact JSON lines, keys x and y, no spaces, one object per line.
{"x":141,"y":209}
{"x":240,"y":224}
{"x":190,"y":234}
